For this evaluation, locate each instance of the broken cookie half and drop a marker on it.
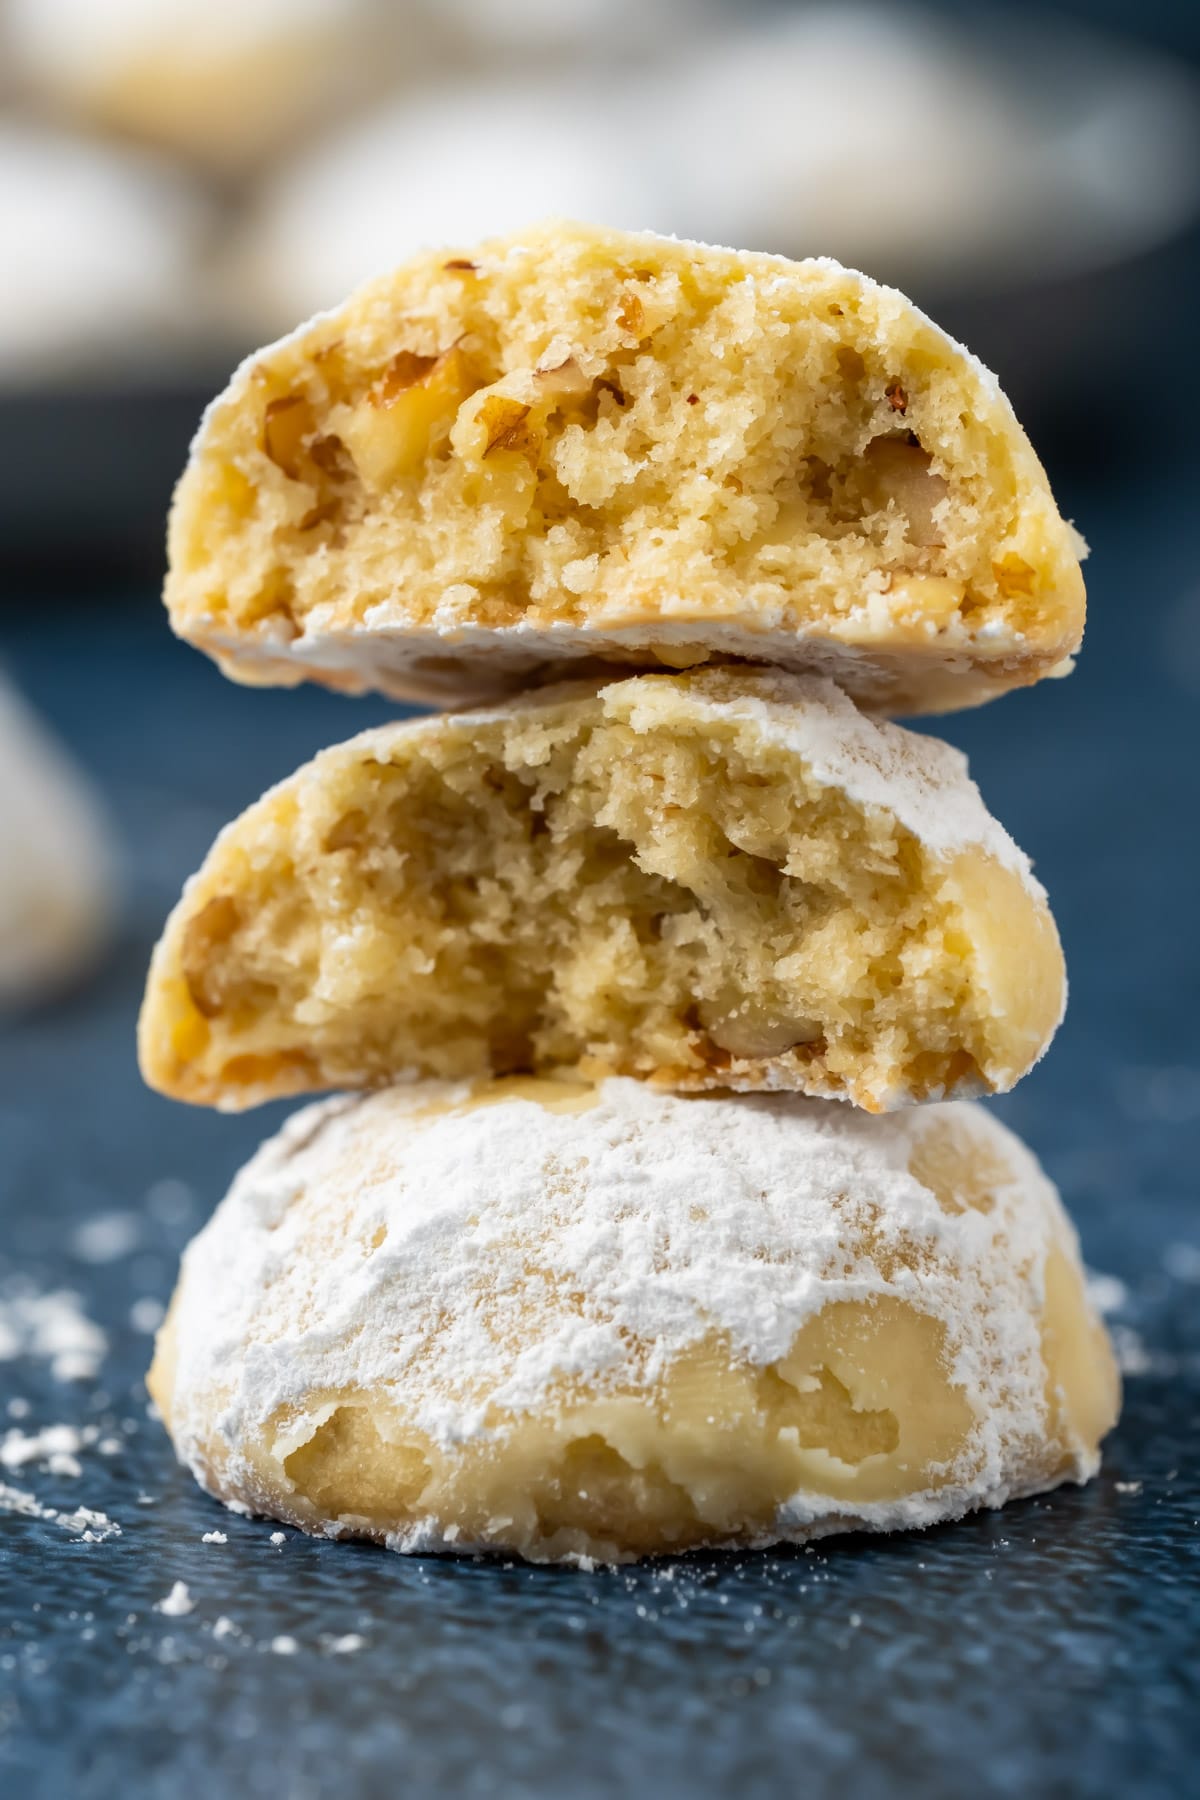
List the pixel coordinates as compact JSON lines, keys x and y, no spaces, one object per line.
{"x":724,"y":879}
{"x":585,"y":448}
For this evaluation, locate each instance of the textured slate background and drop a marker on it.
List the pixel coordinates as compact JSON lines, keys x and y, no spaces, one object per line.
{"x":1049,"y":1649}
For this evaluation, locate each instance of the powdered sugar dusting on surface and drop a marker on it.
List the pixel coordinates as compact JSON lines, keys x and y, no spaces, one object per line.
{"x":51,"y":1327}
{"x":178,"y":1603}
{"x":84,"y":1522}
{"x":463,"y":1260}
{"x":57,"y":1446}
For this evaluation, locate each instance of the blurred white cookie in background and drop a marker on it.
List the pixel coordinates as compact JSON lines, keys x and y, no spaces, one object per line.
{"x":101,"y":250}
{"x":223,"y":81}
{"x":558,"y":25}
{"x":934,"y":157}
{"x":462,"y":162}
{"x":57,"y":862}
{"x":902,"y":144}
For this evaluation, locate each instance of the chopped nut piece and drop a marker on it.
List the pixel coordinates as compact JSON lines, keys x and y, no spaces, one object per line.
{"x":745,"y":1031}
{"x":1014,"y":576}
{"x":693,"y":399}
{"x":406,"y":417}
{"x":212,"y":927}
{"x":461,"y":263}
{"x":900,"y":474}
{"x":925,"y":599}
{"x":287,"y":422}
{"x":504,"y":422}
{"x":631,"y":314}
{"x":897,"y":399}
{"x":349,"y":833}
{"x":565,"y":381}
{"x":404,"y":371}
{"x":331,"y":457}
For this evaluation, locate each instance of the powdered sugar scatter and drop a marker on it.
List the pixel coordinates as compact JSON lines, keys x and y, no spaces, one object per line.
{"x":90,"y":1526}
{"x":57,"y":1446}
{"x":52,"y":1328}
{"x":106,"y":1237}
{"x":1107,"y":1293}
{"x":178,"y":1603}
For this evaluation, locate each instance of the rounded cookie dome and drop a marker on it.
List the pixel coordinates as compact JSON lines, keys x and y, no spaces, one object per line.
{"x":598,"y":1323}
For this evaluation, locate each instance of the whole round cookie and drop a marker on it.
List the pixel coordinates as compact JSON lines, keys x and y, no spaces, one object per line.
{"x":103,"y":251}
{"x":599,"y":1323}
{"x":579,"y":444}
{"x":57,"y":861}
{"x":725,"y":879}
{"x":371,"y":195}
{"x":224,"y":84}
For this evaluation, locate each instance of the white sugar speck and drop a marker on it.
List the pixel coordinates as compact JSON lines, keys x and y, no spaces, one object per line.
{"x":55,"y":1445}
{"x":170,"y":1200}
{"x":279,"y":1537}
{"x":146,"y":1314}
{"x":1182,"y":1262}
{"x":1133,"y":1358}
{"x":214,"y":1537}
{"x":84,"y":1523}
{"x":345,"y":1645}
{"x":178,"y":1603}
{"x":1107,"y":1293}
{"x":107,"y":1237}
{"x":284,"y":1646}
{"x":224,"y":1628}
{"x":51,"y":1328}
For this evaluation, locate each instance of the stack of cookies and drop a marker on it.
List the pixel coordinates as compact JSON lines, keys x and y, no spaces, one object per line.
{"x":667,"y":973}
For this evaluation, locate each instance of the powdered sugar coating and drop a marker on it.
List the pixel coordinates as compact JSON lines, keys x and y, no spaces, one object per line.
{"x":922,"y":780}
{"x":464,"y":1259}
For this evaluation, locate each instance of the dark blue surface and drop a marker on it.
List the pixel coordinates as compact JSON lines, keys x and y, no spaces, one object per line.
{"x":1050,"y":1649}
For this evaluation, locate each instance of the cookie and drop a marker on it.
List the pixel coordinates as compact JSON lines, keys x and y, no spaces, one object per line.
{"x":726,"y":879}
{"x":57,"y":863}
{"x":585,"y":446}
{"x":102,"y":255}
{"x":222,"y":84}
{"x":372,"y":194}
{"x":584,"y":1324}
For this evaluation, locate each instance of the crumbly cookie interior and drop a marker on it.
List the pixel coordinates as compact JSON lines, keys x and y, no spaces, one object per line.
{"x":609,"y":428}
{"x":678,"y":904}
